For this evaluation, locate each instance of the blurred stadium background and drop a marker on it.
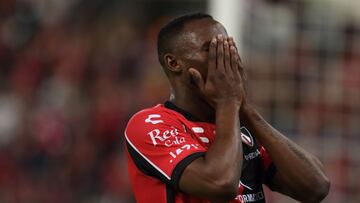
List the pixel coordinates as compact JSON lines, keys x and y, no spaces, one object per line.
{"x":73,"y":71}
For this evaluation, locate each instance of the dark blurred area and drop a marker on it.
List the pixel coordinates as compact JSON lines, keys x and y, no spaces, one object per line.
{"x":72,"y":72}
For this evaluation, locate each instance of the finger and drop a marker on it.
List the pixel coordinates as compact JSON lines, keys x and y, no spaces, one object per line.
{"x":234,"y":61}
{"x":232,"y":42}
{"x":233,"y":58}
{"x":227,"y":59}
{"x":242,"y":72}
{"x":212,"y":57}
{"x":239,"y":66}
{"x":197,"y":78}
{"x":220,"y":53}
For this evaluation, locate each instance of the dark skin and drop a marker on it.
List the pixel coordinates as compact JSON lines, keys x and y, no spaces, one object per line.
{"x":206,"y":77}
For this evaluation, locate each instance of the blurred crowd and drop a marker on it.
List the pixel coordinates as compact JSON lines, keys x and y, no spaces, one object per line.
{"x":72,"y":72}
{"x":69,"y":80}
{"x":303,"y":62}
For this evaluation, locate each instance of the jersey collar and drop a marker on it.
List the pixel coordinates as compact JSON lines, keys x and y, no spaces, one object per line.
{"x":187,"y":115}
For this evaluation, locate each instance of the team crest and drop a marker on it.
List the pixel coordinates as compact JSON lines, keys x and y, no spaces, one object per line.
{"x":246,"y":137}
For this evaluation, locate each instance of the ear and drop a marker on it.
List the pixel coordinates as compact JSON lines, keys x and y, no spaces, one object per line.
{"x":172,"y":63}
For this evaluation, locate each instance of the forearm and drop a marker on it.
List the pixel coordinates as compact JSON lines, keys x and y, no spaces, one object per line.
{"x":300,"y":171}
{"x":216,"y":176}
{"x":225,"y":154}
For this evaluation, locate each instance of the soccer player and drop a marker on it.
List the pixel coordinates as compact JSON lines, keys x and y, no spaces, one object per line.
{"x":207,"y":143}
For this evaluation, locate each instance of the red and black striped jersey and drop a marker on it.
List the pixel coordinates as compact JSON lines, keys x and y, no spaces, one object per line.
{"x":161,"y":141}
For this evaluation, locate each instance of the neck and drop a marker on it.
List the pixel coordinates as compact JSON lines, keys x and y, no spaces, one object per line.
{"x":192,"y":102}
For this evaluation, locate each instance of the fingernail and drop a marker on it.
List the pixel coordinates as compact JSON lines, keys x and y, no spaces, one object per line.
{"x":213,"y":41}
{"x":220,"y":37}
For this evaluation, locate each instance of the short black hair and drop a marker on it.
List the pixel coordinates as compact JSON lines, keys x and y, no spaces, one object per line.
{"x":171,"y":29}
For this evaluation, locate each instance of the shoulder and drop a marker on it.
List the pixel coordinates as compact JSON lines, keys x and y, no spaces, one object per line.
{"x":154,"y":118}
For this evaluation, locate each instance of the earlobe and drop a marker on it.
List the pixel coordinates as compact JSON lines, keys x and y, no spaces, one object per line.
{"x":172,"y":63}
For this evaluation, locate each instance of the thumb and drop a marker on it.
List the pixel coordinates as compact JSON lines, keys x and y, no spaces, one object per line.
{"x":197,"y":78}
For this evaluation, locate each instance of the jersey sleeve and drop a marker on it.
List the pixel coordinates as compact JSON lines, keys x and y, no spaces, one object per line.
{"x":160,"y":146}
{"x":268,"y":166}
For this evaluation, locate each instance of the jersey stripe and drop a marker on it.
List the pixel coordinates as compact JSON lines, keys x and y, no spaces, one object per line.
{"x":150,"y":162}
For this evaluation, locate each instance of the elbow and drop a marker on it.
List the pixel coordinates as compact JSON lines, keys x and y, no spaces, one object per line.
{"x":229,"y":192}
{"x":322,"y":190}
{"x":319,"y":190}
{"x":226,"y":190}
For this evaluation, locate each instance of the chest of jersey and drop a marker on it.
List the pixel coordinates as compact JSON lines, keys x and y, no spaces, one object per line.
{"x":250,"y":184}
{"x":161,"y":142}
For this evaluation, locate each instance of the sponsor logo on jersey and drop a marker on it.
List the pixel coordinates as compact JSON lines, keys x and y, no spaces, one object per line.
{"x":246,"y":137}
{"x":243,"y":185}
{"x":251,"y":197}
{"x":174,"y":154}
{"x":153,"y":119}
{"x":252,"y":155}
{"x":168,"y":137}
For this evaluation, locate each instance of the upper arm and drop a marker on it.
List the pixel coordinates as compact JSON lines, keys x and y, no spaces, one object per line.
{"x":275,"y":180}
{"x":160,"y":147}
{"x":199,"y":182}
{"x":279,"y":185}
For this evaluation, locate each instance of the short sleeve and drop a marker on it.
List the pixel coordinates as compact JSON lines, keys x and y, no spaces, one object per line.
{"x":268,"y":166}
{"x":160,"y":146}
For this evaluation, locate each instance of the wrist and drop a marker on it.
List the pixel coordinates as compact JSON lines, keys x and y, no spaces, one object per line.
{"x":228,"y":103}
{"x":246,"y":111}
{"x":246,"y":108}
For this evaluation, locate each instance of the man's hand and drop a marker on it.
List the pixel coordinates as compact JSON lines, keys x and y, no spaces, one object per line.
{"x":241,"y":68}
{"x":224,"y":82}
{"x":216,"y":175}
